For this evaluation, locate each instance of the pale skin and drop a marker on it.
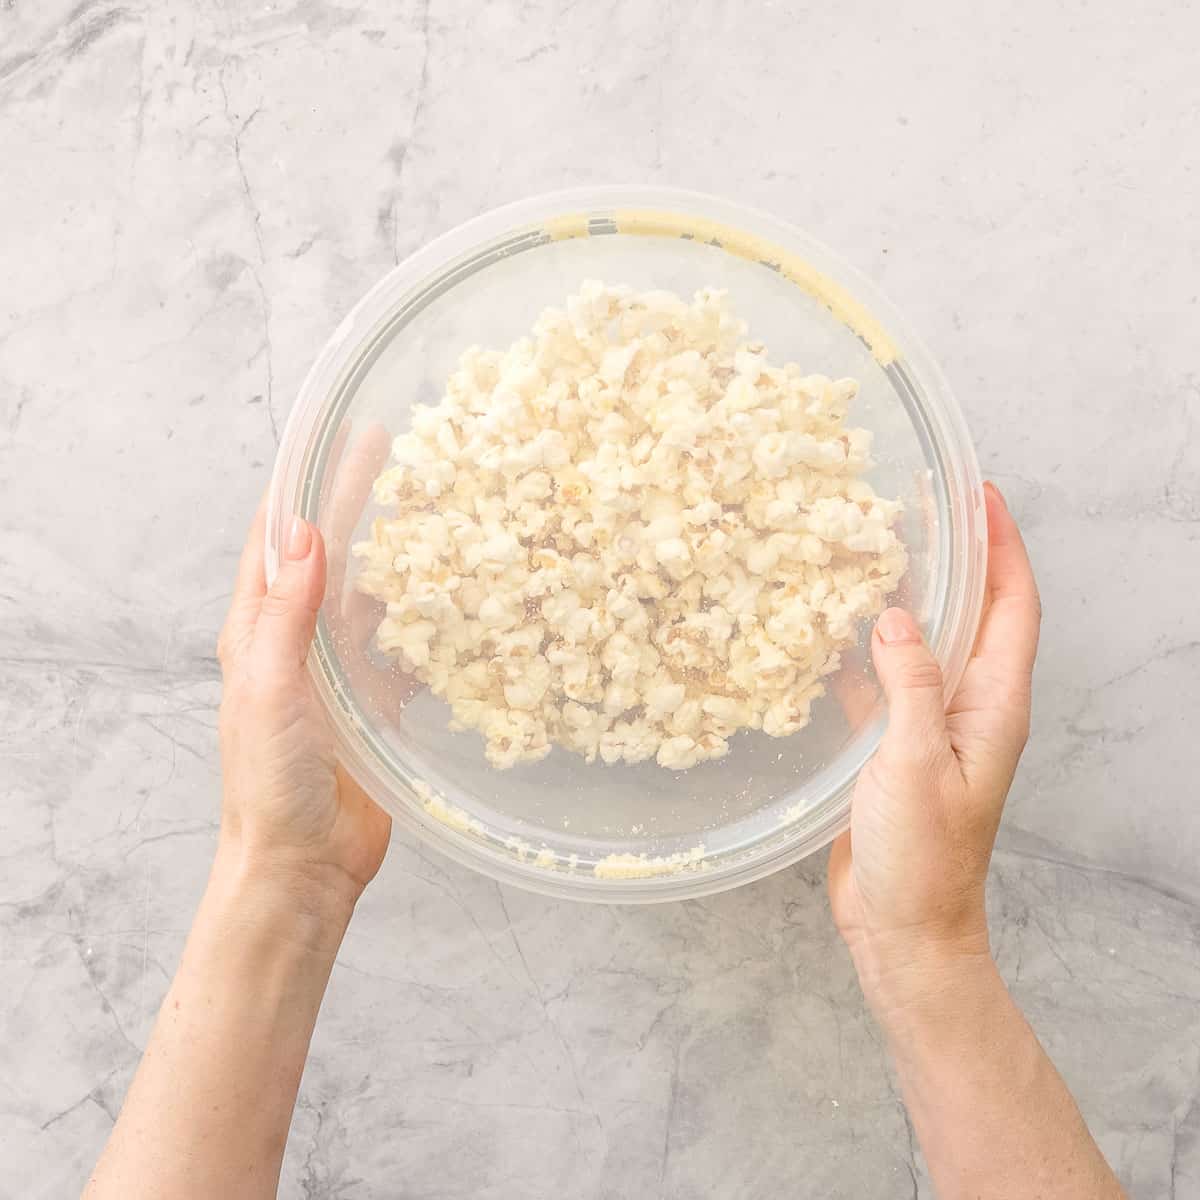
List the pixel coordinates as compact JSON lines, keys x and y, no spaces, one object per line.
{"x":209,"y":1109}
{"x":992,"y":1115}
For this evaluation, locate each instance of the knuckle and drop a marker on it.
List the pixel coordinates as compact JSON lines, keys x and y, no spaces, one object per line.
{"x":275,"y":605}
{"x":274,"y":681}
{"x":934,"y":759}
{"x":919,"y":760}
{"x":920,"y":676}
{"x":254,"y":712}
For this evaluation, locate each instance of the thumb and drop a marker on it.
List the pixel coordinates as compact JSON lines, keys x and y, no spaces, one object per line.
{"x":288,"y":617}
{"x":912,"y":682}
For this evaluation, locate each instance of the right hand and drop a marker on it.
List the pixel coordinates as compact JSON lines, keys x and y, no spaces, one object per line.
{"x":906,"y":881}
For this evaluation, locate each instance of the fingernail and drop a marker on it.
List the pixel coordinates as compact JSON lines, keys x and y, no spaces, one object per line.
{"x":998,"y":494}
{"x":299,"y":539}
{"x":895,"y":627}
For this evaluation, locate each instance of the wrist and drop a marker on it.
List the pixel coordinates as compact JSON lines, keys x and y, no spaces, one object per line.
{"x":932,"y":991}
{"x":288,"y":904}
{"x":905,"y":976}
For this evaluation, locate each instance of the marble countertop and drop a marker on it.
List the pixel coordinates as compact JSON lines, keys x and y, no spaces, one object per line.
{"x":194,"y":192}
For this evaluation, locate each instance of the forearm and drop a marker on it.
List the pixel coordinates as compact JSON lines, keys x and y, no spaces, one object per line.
{"x":993,"y":1116}
{"x":209,"y":1109}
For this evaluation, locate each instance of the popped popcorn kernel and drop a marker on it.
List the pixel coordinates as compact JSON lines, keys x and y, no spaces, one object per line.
{"x":629,"y":535}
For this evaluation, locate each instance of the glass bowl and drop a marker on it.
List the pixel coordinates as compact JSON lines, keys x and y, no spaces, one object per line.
{"x":563,"y":826}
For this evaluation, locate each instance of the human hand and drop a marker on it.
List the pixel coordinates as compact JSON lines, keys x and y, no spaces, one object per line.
{"x":906,"y":882}
{"x":289,"y":812}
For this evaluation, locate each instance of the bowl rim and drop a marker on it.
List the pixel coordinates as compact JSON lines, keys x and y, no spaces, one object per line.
{"x":582,"y":212}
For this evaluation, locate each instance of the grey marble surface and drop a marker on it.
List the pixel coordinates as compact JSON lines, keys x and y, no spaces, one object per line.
{"x":192,"y":193}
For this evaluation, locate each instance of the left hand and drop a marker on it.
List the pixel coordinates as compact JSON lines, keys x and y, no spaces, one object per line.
{"x":289,"y":812}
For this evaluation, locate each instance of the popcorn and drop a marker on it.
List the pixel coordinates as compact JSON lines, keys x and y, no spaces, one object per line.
{"x":678,"y":753}
{"x":629,"y":535}
{"x":675,"y":558}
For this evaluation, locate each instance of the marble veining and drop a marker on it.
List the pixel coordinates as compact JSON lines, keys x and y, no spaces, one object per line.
{"x":193,"y":195}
